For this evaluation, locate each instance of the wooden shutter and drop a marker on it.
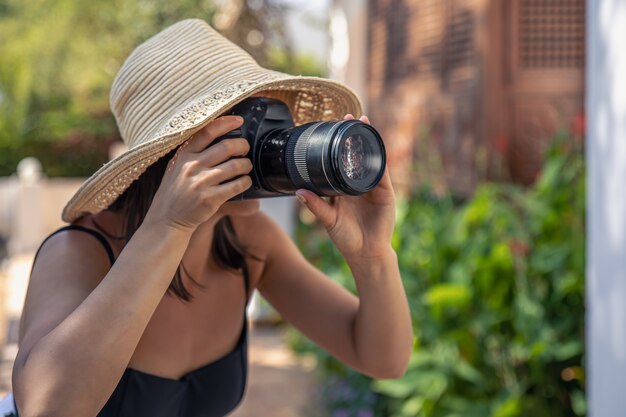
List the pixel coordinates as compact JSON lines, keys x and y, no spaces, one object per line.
{"x":428,"y":28}
{"x":460,"y":37}
{"x":551,"y":34}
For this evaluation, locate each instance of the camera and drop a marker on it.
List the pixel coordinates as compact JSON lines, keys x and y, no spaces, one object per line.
{"x":330,"y":158}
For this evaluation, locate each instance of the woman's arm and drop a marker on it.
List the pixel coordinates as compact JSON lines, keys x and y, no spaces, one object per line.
{"x":81,"y":322}
{"x":371,"y":333}
{"x":77,"y":342}
{"x":382,"y":326}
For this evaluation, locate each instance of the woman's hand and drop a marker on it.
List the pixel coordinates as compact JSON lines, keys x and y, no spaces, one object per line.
{"x":199,"y":178}
{"x":360,"y":226}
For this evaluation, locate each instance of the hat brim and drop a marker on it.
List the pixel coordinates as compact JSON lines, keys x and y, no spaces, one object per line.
{"x":309,"y":99}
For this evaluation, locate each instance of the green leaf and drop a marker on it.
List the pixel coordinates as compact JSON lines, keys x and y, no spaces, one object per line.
{"x":579,"y":403}
{"x":412,"y":406}
{"x":468,"y":372}
{"x":511,"y":407}
{"x":447,"y":294}
{"x":567,"y":350}
{"x":395,"y":388}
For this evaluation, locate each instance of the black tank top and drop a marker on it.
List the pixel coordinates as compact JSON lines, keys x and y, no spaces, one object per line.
{"x":213,"y":390}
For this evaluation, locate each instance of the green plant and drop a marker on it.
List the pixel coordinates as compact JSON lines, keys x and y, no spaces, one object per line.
{"x":496,"y":289}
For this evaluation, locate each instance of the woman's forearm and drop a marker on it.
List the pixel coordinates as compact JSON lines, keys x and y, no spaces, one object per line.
{"x":383,"y":333}
{"x":78,"y":364}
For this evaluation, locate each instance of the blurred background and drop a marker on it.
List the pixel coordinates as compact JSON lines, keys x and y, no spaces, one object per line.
{"x":482,"y":107}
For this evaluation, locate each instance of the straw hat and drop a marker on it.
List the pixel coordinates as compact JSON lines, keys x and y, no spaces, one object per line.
{"x":178,"y":81}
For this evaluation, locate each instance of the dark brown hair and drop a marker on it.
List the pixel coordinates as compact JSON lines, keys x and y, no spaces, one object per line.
{"x":133,"y":205}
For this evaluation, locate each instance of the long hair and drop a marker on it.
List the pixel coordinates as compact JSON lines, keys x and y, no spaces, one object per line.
{"x":133,"y":205}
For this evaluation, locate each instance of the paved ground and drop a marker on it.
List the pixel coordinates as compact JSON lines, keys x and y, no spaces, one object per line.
{"x":279,"y":385}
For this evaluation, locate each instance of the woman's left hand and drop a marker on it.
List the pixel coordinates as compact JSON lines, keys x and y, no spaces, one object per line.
{"x":360,"y":226}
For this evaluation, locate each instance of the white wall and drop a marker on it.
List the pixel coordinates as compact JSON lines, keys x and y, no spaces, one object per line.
{"x":30,"y":211}
{"x":606,"y":202}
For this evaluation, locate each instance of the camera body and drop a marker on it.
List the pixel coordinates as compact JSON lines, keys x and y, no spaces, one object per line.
{"x":330,"y":158}
{"x":260,"y":117}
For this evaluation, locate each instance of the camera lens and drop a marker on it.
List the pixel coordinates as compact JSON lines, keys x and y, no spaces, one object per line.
{"x":354,"y":157}
{"x":360,"y":160}
{"x":328,"y":158}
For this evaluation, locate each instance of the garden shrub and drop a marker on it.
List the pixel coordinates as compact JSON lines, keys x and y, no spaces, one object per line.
{"x":496,"y":290}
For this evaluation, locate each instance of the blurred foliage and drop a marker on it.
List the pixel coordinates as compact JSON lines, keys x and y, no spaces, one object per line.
{"x":59,"y":58}
{"x":495,"y":286}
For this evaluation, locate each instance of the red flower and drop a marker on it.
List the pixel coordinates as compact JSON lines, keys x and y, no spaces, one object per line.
{"x":502,"y":144}
{"x":579,"y":124}
{"x":519,"y":247}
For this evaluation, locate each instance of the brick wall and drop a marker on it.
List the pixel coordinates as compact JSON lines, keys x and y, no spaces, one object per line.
{"x":467,"y":90}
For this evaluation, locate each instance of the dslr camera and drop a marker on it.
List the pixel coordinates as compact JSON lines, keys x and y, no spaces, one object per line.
{"x":331,"y":158}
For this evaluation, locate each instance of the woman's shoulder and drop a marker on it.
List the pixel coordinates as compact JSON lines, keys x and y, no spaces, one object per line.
{"x":248,"y":227}
{"x":258,"y":231}
{"x":72,"y":246}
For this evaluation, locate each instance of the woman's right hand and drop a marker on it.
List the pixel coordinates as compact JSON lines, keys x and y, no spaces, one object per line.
{"x":199,"y":178}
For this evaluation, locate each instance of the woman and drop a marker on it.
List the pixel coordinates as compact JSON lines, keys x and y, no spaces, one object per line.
{"x":107,"y":331}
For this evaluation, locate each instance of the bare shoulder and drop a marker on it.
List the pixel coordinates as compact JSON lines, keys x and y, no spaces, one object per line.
{"x":68,"y":252}
{"x":69,"y":265}
{"x":264,"y":239}
{"x":258,"y":232}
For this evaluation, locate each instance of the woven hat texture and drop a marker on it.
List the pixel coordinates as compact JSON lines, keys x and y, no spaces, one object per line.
{"x":178,"y":81}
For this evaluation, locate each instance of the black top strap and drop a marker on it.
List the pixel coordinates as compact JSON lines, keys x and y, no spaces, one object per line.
{"x":93,"y":233}
{"x":109,"y":250}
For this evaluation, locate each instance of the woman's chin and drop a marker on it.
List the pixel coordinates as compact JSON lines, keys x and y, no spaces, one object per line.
{"x":240,"y":207}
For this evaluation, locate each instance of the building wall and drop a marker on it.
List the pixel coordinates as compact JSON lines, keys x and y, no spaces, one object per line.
{"x":466,"y":90}
{"x":544,"y":77}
